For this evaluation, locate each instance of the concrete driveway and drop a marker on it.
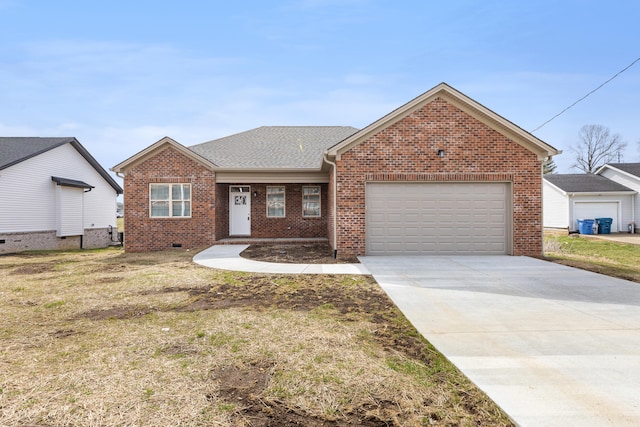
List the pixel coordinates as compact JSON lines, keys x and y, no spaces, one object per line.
{"x":551,"y":345}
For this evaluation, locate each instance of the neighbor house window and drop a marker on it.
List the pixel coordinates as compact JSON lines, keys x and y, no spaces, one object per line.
{"x":275,"y":202}
{"x":170,"y":200}
{"x":311,"y":202}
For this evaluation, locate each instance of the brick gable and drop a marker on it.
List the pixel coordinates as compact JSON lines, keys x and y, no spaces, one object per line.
{"x":142,"y":233}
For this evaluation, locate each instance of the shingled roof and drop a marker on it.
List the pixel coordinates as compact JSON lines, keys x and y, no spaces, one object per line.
{"x":14,"y":150}
{"x":18,"y":149}
{"x":274,"y":147}
{"x":632,"y":168}
{"x":585,"y":183}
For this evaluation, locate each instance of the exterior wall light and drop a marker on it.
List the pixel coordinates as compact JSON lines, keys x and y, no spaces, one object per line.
{"x":440,"y":153}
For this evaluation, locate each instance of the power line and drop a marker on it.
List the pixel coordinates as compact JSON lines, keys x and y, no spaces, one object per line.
{"x":563,"y":111}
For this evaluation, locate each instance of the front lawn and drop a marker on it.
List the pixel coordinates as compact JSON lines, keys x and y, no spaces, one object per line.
{"x":101,"y":338}
{"x":602,"y":256}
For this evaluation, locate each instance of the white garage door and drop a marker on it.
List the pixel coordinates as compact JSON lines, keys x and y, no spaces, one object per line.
{"x":437,"y":218}
{"x":593,"y":210}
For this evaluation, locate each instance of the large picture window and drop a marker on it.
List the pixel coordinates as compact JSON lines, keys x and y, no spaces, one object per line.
{"x":170,"y":200}
{"x":311,"y":202}
{"x":275,"y":202}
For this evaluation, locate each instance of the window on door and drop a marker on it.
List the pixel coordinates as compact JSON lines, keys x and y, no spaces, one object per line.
{"x":170,"y":200}
{"x":311,"y":201}
{"x":275,"y":202}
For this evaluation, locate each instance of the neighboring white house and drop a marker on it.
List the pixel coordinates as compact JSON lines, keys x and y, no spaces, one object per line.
{"x":55,"y":196}
{"x":569,"y":197}
{"x":627,"y":174}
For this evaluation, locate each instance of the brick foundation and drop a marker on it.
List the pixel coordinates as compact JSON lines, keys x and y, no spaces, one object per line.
{"x":93,"y":238}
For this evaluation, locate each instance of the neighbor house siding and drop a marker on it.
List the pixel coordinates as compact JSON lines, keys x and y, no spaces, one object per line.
{"x":143,"y":233}
{"x":28,"y":218}
{"x":629,"y":182}
{"x":29,"y":194}
{"x":69,"y":211}
{"x":407,"y":151}
{"x":555,"y":207}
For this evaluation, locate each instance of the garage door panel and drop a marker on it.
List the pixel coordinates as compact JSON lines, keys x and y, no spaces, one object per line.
{"x":593,"y":210}
{"x":437,"y":218}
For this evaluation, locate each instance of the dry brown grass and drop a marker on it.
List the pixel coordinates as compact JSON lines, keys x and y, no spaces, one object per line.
{"x":98,"y":338}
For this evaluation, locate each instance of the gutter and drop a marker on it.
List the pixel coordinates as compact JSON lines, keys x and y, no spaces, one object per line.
{"x":325,"y":157}
{"x":602,"y":193}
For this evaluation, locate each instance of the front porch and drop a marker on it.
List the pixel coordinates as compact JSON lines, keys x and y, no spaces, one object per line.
{"x":271,"y":213}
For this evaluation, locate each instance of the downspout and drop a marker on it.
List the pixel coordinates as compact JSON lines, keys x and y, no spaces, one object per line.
{"x":335,"y":204}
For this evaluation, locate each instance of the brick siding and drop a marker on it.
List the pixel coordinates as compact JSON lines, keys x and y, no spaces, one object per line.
{"x":293,"y":225}
{"x":407,"y":151}
{"x":145,"y":234}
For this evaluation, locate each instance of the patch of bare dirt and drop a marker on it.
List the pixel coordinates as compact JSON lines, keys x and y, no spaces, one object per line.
{"x":264,"y":292}
{"x":241,"y":386}
{"x":311,"y":253}
{"x":121,"y":312}
{"x":36,"y":268}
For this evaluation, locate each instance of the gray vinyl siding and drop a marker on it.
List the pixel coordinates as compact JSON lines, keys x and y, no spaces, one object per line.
{"x":29,"y":195}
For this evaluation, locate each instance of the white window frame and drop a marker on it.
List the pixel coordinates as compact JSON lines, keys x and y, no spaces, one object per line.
{"x":304,"y":200}
{"x":170,"y":200}
{"x":284,"y":201}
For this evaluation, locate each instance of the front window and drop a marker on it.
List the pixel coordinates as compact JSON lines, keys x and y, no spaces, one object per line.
{"x":275,"y":202}
{"x":170,"y":200}
{"x":311,"y":202}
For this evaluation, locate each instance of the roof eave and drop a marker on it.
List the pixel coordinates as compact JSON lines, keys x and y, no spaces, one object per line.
{"x":153,"y":148}
{"x":93,"y":162}
{"x":554,"y":186}
{"x":628,"y":174}
{"x":22,"y":159}
{"x":600,"y":193}
{"x":269,"y":170}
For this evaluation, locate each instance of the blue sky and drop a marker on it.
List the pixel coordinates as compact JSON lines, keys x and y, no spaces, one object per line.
{"x":120,"y":75}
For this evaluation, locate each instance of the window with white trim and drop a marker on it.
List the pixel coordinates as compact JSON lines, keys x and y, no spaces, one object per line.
{"x":170,"y":200}
{"x":311,"y":201}
{"x":275,"y":202}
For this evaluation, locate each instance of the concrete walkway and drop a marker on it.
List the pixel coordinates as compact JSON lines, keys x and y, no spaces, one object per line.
{"x":551,"y":345}
{"x":227,"y":257}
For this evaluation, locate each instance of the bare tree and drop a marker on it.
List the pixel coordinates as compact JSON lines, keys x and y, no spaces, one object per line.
{"x":597,"y":146}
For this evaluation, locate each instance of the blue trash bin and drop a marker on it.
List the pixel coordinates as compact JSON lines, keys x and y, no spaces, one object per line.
{"x":585,"y":226}
{"x":604,"y":225}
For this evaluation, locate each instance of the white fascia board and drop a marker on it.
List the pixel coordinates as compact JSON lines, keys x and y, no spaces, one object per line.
{"x":627,"y":174}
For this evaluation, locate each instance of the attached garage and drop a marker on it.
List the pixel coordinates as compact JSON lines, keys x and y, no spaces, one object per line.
{"x":443,"y":218}
{"x":440,"y":175}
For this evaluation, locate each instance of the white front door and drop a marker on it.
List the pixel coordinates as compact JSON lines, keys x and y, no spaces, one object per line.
{"x":240,"y":210}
